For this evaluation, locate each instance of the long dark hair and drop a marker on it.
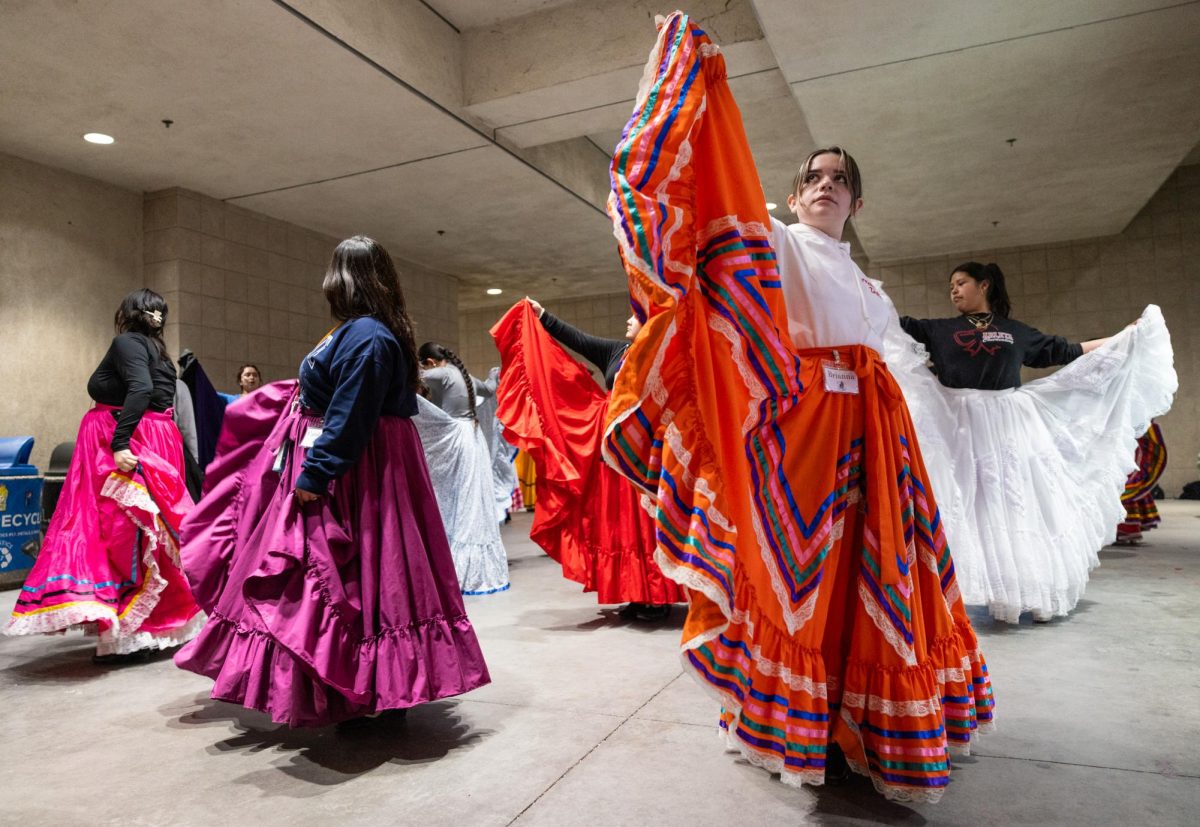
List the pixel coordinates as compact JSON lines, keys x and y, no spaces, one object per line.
{"x":143,"y":311}
{"x":362,"y":281}
{"x":997,"y":293}
{"x":438,"y":353}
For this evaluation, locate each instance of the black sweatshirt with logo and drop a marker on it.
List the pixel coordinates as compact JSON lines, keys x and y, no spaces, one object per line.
{"x":988,"y":359}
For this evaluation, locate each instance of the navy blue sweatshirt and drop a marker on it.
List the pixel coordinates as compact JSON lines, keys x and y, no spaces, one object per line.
{"x":354,"y":376}
{"x":988,"y":359}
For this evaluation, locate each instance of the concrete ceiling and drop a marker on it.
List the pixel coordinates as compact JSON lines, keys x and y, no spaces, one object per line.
{"x":1101,"y":97}
{"x":491,"y":120}
{"x":472,"y":14}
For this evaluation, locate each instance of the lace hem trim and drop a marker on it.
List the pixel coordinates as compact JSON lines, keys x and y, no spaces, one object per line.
{"x":885,"y":627}
{"x":912,"y":709}
{"x":138,"y":641}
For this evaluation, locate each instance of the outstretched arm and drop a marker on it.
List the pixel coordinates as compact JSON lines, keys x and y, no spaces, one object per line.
{"x":595,"y":349}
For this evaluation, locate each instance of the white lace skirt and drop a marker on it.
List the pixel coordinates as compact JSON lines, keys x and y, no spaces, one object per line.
{"x":460,"y":467}
{"x":504,"y":475}
{"x":1029,"y":480}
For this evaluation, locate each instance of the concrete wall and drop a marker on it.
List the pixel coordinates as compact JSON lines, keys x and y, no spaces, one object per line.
{"x":599,"y":315}
{"x":1092,"y":288}
{"x":71,"y":249}
{"x":241,"y":287}
{"x":244,"y":287}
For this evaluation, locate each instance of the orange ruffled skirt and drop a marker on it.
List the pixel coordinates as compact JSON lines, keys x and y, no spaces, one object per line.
{"x":823,"y":601}
{"x":848,"y":627}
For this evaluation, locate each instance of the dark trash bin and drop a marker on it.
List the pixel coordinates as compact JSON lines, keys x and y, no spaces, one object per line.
{"x":55,"y":476}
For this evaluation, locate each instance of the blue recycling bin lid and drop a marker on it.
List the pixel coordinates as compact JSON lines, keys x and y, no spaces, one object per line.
{"x":14,"y":456}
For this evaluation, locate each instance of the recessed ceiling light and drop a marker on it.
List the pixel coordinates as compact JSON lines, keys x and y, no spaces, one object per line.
{"x":494,"y":291}
{"x":98,"y":138}
{"x":771,"y":205}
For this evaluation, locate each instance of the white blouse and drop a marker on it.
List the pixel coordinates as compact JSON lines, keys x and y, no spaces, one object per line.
{"x":829,"y":301}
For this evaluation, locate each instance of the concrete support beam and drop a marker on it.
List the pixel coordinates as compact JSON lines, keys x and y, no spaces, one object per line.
{"x":572,"y":71}
{"x":403,"y":36}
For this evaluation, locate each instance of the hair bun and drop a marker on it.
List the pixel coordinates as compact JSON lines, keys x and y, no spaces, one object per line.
{"x":155,"y":317}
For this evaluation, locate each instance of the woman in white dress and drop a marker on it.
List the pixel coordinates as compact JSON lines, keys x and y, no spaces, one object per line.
{"x":460,"y":466}
{"x":1029,"y":477}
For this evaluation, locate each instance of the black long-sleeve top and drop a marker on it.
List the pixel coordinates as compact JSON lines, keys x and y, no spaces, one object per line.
{"x":354,"y":376}
{"x":988,"y":359}
{"x":134,"y":377}
{"x":606,"y":354}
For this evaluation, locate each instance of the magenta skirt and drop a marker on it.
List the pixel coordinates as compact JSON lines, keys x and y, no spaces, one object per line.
{"x":110,"y":560}
{"x":332,"y":610}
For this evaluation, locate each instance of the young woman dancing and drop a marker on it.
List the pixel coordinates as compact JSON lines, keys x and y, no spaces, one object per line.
{"x":318,"y":550}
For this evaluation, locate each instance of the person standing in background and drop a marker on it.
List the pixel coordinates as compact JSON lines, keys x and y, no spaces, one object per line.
{"x":249,"y":379}
{"x":460,"y":464}
{"x":590,"y":520}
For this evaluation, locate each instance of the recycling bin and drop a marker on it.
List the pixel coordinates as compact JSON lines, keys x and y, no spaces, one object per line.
{"x":20,"y":510}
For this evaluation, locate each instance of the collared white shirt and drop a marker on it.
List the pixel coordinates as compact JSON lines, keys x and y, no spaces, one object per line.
{"x":829,"y":301}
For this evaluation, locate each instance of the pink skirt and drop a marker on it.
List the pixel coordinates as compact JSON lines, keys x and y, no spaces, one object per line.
{"x":332,"y":610}
{"x":110,"y":561}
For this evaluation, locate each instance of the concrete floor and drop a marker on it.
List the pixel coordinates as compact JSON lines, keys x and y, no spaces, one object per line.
{"x":589,"y":720}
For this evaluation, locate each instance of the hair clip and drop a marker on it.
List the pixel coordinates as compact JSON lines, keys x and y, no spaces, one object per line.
{"x":156,"y":316}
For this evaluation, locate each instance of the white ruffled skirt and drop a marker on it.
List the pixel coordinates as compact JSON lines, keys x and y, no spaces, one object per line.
{"x":460,"y":467}
{"x":1029,"y":480}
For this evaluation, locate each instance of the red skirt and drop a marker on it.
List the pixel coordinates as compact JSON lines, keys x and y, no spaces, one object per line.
{"x":588,"y":518}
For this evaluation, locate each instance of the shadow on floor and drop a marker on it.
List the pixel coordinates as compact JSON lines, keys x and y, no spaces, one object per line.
{"x":74,"y":666}
{"x":67,"y":664}
{"x":857,"y":802}
{"x":602,"y":617}
{"x":986,"y":626}
{"x":1114,"y":554}
{"x":329,"y":756}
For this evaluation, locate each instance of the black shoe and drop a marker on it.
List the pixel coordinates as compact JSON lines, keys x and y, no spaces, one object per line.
{"x":127,"y":659}
{"x":365,"y":722}
{"x":629,"y":611}
{"x":837,"y":769}
{"x":654,"y":612}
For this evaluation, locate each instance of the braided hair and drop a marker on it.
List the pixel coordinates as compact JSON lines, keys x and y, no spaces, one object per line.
{"x":441,"y":353}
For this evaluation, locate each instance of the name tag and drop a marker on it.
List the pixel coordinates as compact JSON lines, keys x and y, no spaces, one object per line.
{"x":280,"y":457}
{"x":840,"y":380}
{"x":311,"y":436}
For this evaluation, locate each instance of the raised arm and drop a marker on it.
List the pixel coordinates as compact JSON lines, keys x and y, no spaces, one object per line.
{"x":597,"y":350}
{"x":486,"y":388}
